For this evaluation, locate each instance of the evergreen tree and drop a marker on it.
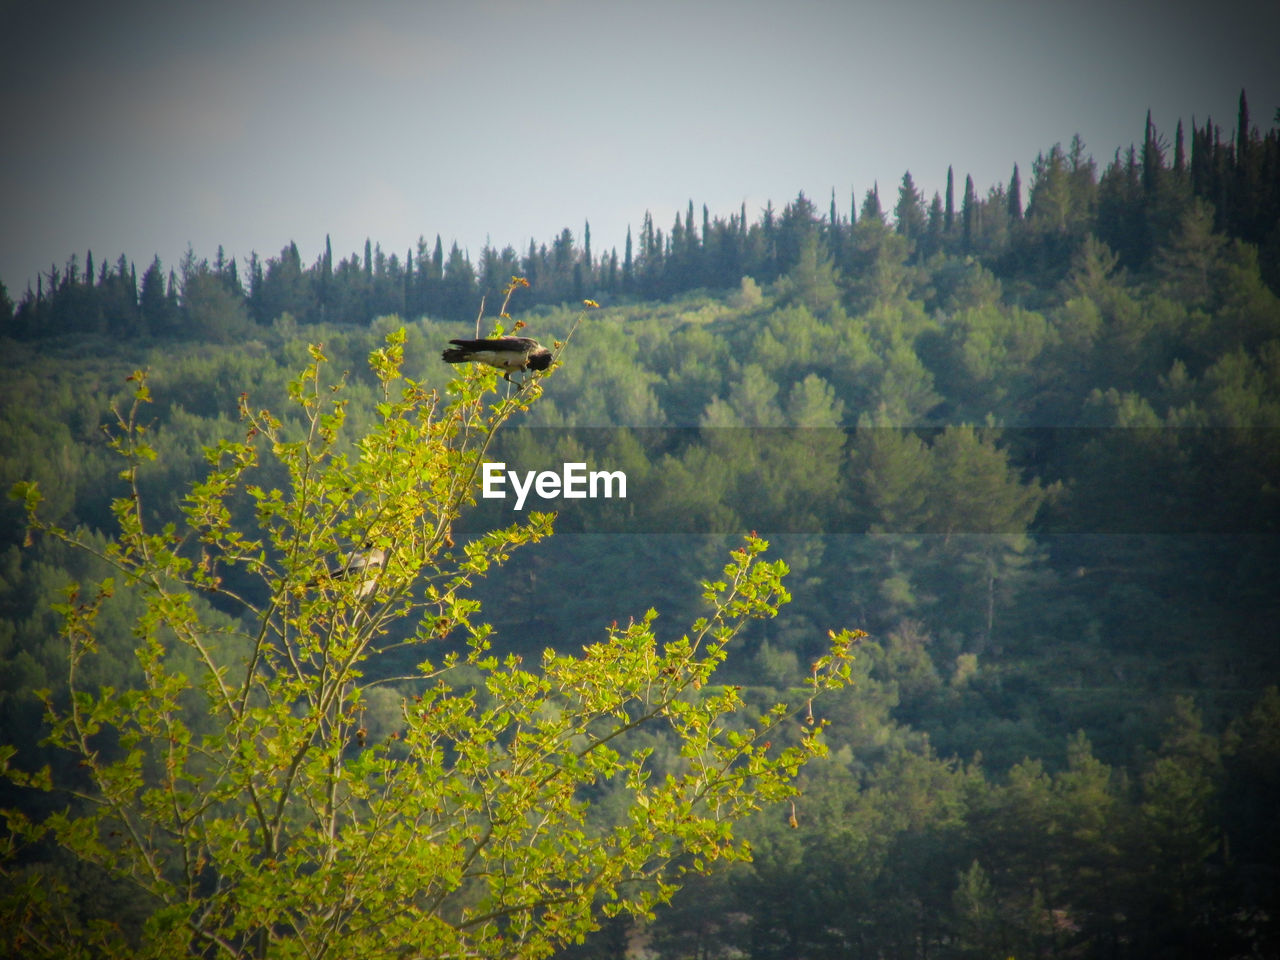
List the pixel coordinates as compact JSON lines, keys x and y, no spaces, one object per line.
{"x":627,"y":265}
{"x":871,"y":205}
{"x":1015,"y":195}
{"x":909,"y":210}
{"x":458,"y":286}
{"x":6,"y":308}
{"x":934,"y":228}
{"x":968,"y":212}
{"x":949,"y":214}
{"x":152,"y":303}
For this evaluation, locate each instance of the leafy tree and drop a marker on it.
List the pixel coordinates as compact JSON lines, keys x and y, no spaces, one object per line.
{"x":272,"y":790}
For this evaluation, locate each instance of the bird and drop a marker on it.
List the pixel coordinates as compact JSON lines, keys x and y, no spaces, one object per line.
{"x":365,"y":562}
{"x":508,"y":354}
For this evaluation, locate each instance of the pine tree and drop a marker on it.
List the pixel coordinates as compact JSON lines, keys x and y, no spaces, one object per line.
{"x":871,"y":204}
{"x":933,"y":231}
{"x":909,"y":211}
{"x":152,"y":304}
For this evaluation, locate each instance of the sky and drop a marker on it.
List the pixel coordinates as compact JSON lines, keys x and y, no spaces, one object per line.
{"x":142,"y":128}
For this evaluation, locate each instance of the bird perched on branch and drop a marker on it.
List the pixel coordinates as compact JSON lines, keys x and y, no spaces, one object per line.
{"x":508,"y":354}
{"x":363,"y":565}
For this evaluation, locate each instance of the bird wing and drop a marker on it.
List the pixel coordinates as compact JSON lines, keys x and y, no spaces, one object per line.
{"x":499,"y":344}
{"x":362,"y":560}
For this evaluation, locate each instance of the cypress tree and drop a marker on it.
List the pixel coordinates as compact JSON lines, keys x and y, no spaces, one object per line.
{"x":949,"y":214}
{"x":1152,"y":162}
{"x":834,"y":227}
{"x":967,"y":212}
{"x":1242,"y":133}
{"x":1015,"y":195}
{"x":1248,"y":200}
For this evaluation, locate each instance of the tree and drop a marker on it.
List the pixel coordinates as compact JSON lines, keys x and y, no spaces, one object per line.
{"x":6,"y":308}
{"x":871,"y":209}
{"x":950,"y":214}
{"x":300,"y":792}
{"x":157,"y":313}
{"x":1015,"y":195}
{"x":968,"y":207}
{"x":909,"y":211}
{"x":1187,"y":262}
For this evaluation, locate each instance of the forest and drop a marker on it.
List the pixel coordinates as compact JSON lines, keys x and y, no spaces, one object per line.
{"x":1031,"y":448}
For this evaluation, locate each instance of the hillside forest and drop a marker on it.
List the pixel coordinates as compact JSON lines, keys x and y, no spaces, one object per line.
{"x":1028,"y":440}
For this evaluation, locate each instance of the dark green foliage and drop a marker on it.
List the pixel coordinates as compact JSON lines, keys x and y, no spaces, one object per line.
{"x":1033,"y":451}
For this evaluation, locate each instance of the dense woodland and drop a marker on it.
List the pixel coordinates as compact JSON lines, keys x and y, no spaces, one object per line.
{"x":1135,"y":205}
{"x":1031,"y":448}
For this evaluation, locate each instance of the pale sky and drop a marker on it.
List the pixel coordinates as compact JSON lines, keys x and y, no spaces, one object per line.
{"x":142,"y":127}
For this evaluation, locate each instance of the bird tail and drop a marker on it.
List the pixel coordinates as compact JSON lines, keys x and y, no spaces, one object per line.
{"x":454,"y":355}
